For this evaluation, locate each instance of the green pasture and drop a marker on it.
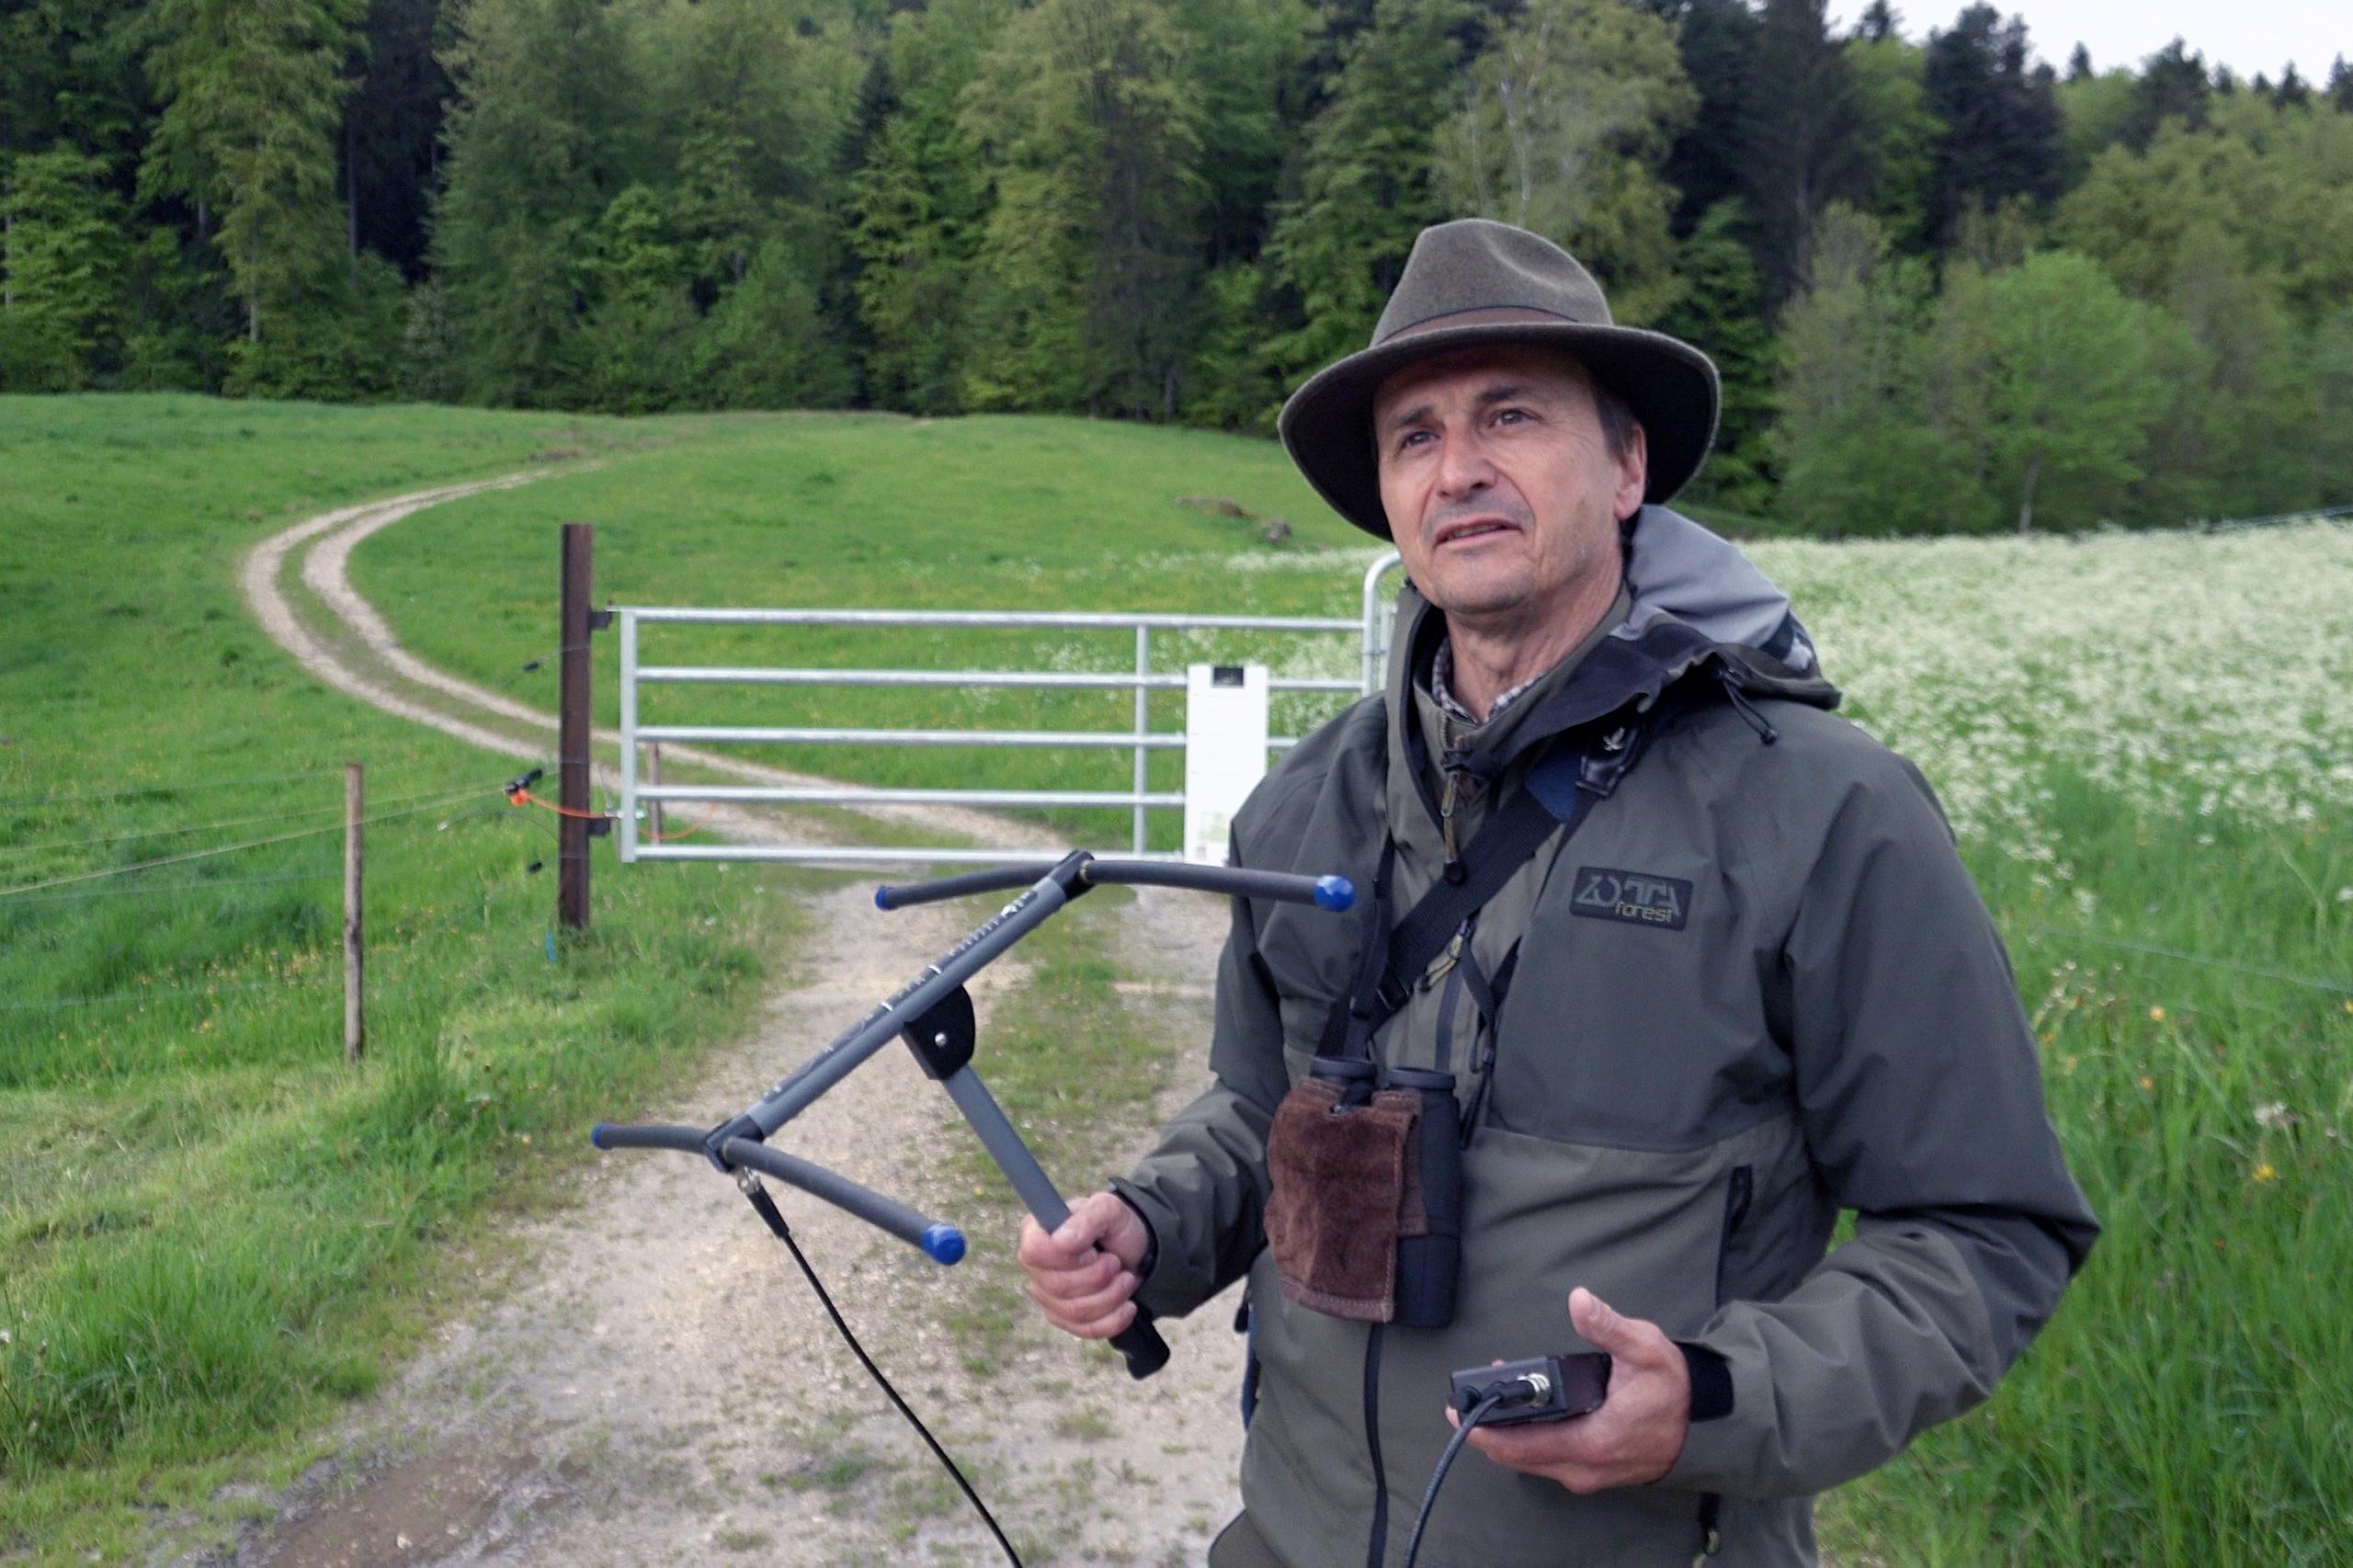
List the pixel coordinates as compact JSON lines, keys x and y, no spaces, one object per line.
{"x":211,"y":1227}
{"x":2192,"y":1404}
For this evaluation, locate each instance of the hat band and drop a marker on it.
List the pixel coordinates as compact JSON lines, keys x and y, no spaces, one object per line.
{"x":1481,"y":316}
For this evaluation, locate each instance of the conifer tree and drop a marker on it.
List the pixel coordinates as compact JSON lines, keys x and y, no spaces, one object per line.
{"x":531,"y":166}
{"x":2173,"y":85}
{"x":1091,"y":138}
{"x":2000,"y":115}
{"x":62,"y":262}
{"x":1895,"y":135}
{"x":1800,"y":149}
{"x":1244,"y":54}
{"x":1721,"y":311}
{"x":1366,"y":185}
{"x":1715,"y":39}
{"x":252,"y":94}
{"x":916,"y":206}
{"x":391,"y":141}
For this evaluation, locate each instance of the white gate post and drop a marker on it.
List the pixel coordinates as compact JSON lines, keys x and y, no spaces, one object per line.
{"x":1225,"y":751}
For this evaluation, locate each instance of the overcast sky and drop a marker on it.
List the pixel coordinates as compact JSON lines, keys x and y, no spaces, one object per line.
{"x":2247,"y":35}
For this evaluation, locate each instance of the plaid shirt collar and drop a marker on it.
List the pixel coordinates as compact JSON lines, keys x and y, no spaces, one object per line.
{"x":1442,"y":665}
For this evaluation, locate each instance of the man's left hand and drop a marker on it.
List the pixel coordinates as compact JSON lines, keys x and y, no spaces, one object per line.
{"x":1637,"y":1434}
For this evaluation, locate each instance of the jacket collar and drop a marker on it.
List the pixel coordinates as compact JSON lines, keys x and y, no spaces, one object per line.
{"x":1697,"y":604}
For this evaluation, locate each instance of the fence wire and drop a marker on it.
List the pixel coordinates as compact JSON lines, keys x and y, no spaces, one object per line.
{"x":440,"y":803}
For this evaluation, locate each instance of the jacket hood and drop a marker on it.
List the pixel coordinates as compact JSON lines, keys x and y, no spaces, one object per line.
{"x":1698,"y":604}
{"x":1677,"y":570}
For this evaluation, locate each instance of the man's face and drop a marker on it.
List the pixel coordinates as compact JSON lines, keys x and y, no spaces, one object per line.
{"x":1500,"y":488}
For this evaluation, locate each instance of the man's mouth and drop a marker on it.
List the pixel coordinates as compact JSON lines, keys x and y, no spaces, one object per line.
{"x":1470,"y":531}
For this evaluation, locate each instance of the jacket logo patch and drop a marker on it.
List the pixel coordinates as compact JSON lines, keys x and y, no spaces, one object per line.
{"x":1635,"y":897}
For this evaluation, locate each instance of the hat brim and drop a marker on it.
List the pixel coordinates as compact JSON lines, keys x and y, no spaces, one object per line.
{"x":1672,"y":388}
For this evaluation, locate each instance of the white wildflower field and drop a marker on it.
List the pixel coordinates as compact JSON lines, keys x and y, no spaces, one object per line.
{"x":2193,"y":672}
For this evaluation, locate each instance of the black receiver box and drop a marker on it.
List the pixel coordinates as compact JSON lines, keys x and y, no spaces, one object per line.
{"x":1542,"y":1388}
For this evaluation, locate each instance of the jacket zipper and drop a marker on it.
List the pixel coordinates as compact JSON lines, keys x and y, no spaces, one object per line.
{"x":1449,"y":998}
{"x":1739,"y":1191}
{"x":1446,"y":820}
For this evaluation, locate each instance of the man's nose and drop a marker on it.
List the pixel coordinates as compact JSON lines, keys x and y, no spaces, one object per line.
{"x":1463,"y":468}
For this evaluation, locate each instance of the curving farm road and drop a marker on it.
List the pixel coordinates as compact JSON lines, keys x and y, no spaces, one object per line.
{"x":643,"y":1379}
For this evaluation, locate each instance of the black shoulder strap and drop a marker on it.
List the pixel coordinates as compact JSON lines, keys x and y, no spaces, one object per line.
{"x":1506,"y":844}
{"x":1391,"y":960}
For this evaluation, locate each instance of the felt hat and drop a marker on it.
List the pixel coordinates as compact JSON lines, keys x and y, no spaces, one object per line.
{"x":1475,"y":281}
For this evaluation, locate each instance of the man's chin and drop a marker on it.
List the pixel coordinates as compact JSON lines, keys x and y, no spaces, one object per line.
{"x":1476,"y":594}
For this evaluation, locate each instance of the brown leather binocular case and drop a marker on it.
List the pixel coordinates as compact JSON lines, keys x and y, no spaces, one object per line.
{"x":1364,"y":1211}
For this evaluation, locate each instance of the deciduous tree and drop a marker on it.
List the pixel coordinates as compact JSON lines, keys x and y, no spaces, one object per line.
{"x":1858,"y":451}
{"x":1570,"y":112}
{"x":2053,"y":371}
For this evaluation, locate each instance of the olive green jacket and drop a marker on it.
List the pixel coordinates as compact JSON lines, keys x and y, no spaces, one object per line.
{"x":1756,"y":988}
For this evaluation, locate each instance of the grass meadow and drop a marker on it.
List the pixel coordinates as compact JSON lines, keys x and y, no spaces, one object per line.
{"x":2143,"y":741}
{"x":211,"y":1228}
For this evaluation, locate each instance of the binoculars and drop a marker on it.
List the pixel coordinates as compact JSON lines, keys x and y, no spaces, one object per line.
{"x":1429,"y":1244}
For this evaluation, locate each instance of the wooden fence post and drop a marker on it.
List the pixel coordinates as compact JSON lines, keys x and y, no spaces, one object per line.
{"x":574,"y":741}
{"x":355,"y":1020}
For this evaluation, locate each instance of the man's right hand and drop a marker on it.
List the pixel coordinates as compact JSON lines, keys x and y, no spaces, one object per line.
{"x":1083,"y":1275}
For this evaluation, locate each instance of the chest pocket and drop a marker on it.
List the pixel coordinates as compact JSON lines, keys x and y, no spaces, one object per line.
{"x":1638,"y":1035}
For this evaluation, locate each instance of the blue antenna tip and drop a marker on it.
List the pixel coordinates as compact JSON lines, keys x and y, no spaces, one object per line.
{"x":943,"y":1243}
{"x":1335,"y":893}
{"x":883,"y":896}
{"x":597,"y":1134}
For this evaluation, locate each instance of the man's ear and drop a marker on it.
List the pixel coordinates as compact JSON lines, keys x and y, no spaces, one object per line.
{"x":1633,"y":472}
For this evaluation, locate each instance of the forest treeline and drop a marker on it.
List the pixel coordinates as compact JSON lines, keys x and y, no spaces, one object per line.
{"x":1950,"y":287}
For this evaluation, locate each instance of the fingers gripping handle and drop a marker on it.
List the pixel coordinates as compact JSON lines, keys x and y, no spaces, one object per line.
{"x":1138,"y":1343}
{"x":940,"y":1243}
{"x":1141,"y":1343}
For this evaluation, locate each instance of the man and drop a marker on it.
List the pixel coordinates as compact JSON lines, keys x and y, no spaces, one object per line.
{"x":1742,"y":984}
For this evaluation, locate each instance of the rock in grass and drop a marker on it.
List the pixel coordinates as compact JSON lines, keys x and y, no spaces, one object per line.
{"x":1217,"y":507}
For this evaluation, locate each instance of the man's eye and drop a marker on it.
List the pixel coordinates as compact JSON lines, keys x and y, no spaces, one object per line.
{"x":1412,"y":438}
{"x":1510,"y":415}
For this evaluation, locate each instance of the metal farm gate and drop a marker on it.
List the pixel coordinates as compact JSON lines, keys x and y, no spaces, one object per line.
{"x":1370,"y":629}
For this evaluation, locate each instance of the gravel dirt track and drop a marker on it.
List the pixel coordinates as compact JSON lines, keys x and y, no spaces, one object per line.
{"x":643,"y":1378}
